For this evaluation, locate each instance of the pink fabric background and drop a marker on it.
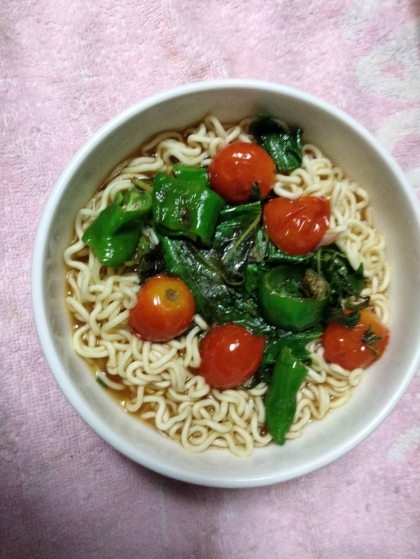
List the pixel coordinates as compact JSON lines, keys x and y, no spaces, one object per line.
{"x":65,"y":69}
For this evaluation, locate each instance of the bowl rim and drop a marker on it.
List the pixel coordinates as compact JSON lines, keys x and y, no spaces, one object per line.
{"x":39,"y":306}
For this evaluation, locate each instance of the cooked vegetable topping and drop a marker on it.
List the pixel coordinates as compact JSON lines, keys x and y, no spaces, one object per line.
{"x":185,"y":206}
{"x":283,"y":301}
{"x":284,"y":147}
{"x":280,"y":401}
{"x":115,"y":233}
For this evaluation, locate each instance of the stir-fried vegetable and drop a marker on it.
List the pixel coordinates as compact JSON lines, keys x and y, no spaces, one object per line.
{"x":115,"y":233}
{"x":280,"y":402}
{"x":185,"y":206}
{"x":285,"y":147}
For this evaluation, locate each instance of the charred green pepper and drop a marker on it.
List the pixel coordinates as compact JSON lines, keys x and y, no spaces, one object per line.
{"x":280,"y":401}
{"x":186,"y":206}
{"x":115,"y":233}
{"x":293,"y":298}
{"x":194,"y":175}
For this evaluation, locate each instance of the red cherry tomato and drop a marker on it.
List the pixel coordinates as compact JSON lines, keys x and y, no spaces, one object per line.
{"x":165,"y":308}
{"x":230,"y":354}
{"x":297,"y":226}
{"x":347,"y":348}
{"x":237,"y":167}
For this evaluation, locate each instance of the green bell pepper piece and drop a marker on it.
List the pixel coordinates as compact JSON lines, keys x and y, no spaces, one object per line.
{"x":282,"y":302}
{"x":280,"y":401}
{"x":197,"y":176}
{"x":185,"y":207}
{"x":115,"y":233}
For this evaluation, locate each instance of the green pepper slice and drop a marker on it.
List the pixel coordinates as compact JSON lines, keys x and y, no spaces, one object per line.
{"x":115,"y":233}
{"x":282,"y":301}
{"x":197,"y":176}
{"x":185,"y":207}
{"x":280,"y":401}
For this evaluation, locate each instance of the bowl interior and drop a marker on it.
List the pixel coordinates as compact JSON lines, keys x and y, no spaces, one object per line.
{"x":349,"y":146}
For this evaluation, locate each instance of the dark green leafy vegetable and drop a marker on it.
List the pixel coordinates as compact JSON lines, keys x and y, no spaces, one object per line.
{"x":284,"y":147}
{"x":185,"y":208}
{"x":254,"y":275}
{"x":338,"y":316}
{"x":265,"y":249}
{"x":204,"y":277}
{"x":369,"y":338}
{"x":151,"y":259}
{"x":358,"y":305}
{"x":344,"y":282}
{"x":234,"y":238}
{"x":280,"y":401}
{"x":296,"y":341}
{"x":204,"y":274}
{"x":115,"y":233}
{"x":255,"y":195}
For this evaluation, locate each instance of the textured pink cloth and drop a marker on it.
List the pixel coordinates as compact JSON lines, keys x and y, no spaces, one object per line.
{"x":65,"y":69}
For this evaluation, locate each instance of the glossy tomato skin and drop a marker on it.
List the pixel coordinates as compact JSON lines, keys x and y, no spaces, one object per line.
{"x":345,"y":347}
{"x":165,"y":308}
{"x":230,"y":355}
{"x":235,"y":168}
{"x":297,"y":226}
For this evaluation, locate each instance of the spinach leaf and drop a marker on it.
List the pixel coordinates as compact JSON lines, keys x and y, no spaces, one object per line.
{"x":358,"y":305}
{"x":259,"y":249}
{"x":215,"y":301}
{"x":254,"y":274}
{"x":265,"y":249}
{"x":345,"y":282}
{"x":151,"y":260}
{"x":296,"y":341}
{"x":370,"y":339}
{"x":284,"y":147}
{"x":234,"y":238}
{"x":203,"y":277}
{"x":338,"y":316}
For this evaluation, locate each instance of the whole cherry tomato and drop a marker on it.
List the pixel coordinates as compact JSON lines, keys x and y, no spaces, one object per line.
{"x":351,"y":348}
{"x":230,"y":354}
{"x":165,"y":308}
{"x":235,"y":169}
{"x":297,"y":226}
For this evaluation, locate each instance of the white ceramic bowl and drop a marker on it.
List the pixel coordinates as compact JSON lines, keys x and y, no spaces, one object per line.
{"x":347,"y":144}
